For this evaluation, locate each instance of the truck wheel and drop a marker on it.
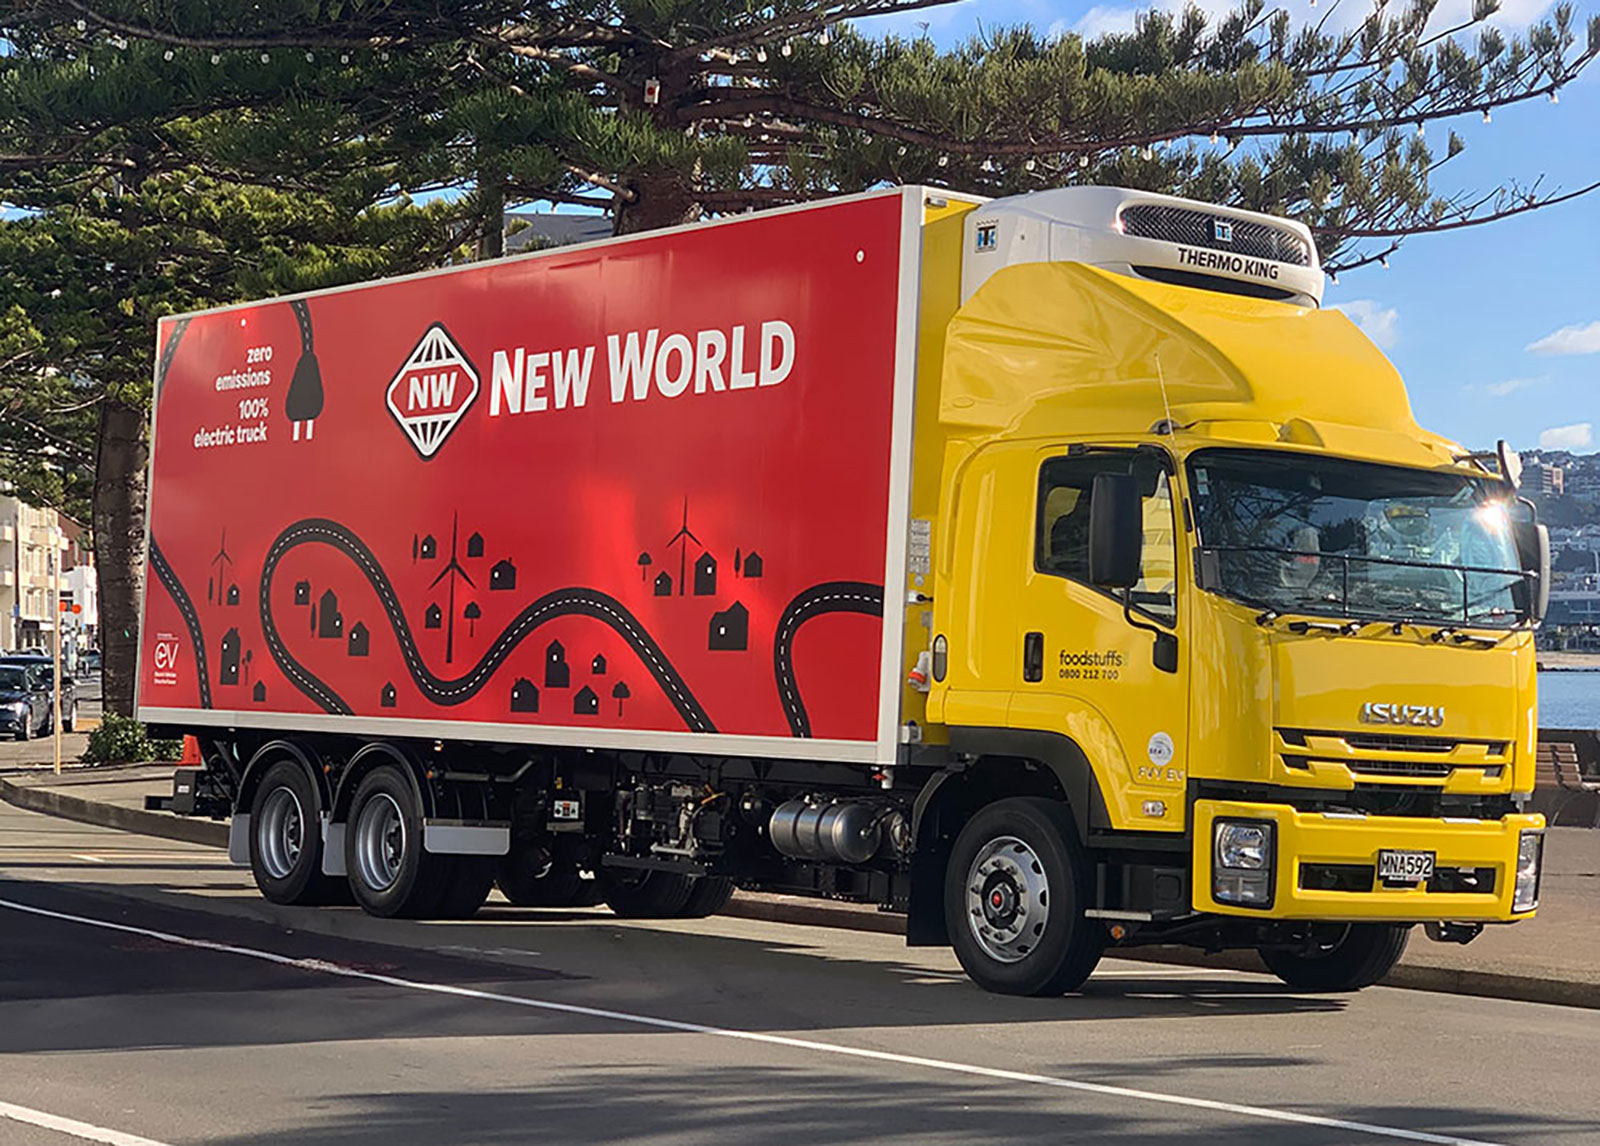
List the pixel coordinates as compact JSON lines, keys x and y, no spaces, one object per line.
{"x":1015,"y":892}
{"x":285,"y":843}
{"x":645,"y":894}
{"x":709,"y":895}
{"x":1347,"y":958}
{"x":389,"y":873}
{"x":471,"y":878}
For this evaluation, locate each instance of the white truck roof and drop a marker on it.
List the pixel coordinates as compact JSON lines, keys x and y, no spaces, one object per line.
{"x":1139,"y":233}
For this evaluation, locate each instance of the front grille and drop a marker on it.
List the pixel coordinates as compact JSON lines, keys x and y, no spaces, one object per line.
{"x":1470,"y":879}
{"x":1336,"y":876}
{"x":1392,"y":756}
{"x":1358,"y":877}
{"x":1250,"y":238}
{"x":1390,"y":742}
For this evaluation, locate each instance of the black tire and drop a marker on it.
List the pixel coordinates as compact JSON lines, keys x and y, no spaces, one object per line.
{"x":1048,"y":875}
{"x":469,"y":883}
{"x":389,"y":873}
{"x":286,"y":839}
{"x":709,"y":895}
{"x":647,"y":894}
{"x":1358,"y":958}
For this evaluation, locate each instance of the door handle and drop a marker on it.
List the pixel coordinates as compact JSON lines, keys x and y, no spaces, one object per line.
{"x":1033,"y":657}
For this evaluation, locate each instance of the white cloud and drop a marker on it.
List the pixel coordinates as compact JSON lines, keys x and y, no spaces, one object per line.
{"x":1573,"y":437}
{"x":1378,"y":322}
{"x":1509,"y":386}
{"x":1569,"y":340}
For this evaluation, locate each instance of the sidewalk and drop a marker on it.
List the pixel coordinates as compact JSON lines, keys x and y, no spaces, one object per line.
{"x":1553,"y":958}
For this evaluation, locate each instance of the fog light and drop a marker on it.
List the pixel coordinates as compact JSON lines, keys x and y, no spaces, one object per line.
{"x":1530,"y":849}
{"x":1242,"y":862}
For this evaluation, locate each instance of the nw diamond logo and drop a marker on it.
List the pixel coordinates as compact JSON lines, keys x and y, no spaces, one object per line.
{"x":432,"y":390}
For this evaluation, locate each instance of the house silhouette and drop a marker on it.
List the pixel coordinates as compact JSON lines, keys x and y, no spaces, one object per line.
{"x":302,"y":592}
{"x":524,"y":696}
{"x":475,"y":545}
{"x":228,"y":672}
{"x":663,"y":584}
{"x":586,"y":703}
{"x":730,"y":629}
{"x":598,"y":665}
{"x":753,"y":565}
{"x":330,"y":622}
{"x":429,"y":548}
{"x":387,"y":697}
{"x":433,"y":618}
{"x":359,"y":640}
{"x":233,"y":594}
{"x":503,"y":575}
{"x":705,"y":576}
{"x":557,"y":673}
{"x":259,"y":693}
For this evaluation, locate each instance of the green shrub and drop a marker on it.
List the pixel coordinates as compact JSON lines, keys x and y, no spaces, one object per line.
{"x":123,"y":740}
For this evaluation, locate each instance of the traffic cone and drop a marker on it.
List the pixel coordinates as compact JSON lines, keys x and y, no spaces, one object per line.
{"x":191,"y":753}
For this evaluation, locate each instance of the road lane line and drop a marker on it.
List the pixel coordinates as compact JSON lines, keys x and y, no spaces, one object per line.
{"x":73,"y":1127}
{"x":321,"y":966}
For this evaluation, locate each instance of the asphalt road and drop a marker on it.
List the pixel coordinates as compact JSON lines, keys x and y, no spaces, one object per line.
{"x":145,"y":990}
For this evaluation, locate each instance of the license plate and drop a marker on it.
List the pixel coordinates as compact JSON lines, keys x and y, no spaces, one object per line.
{"x":1405,"y":867}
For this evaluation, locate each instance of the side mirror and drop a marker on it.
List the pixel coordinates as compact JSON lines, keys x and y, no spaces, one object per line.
{"x":1116,"y":531}
{"x":1533,"y":552}
{"x":1510,"y":463}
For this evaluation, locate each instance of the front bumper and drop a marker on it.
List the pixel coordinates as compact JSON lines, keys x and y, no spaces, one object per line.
{"x":1312,"y":844}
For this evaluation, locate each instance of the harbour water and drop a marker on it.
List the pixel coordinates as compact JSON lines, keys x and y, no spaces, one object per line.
{"x":1569,"y":699}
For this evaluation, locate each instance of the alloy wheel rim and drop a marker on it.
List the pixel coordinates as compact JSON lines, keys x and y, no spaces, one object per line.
{"x":1008,"y":899}
{"x":281,"y":833}
{"x":381,"y":842}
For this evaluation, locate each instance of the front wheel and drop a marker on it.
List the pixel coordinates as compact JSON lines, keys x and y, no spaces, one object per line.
{"x":1340,"y":957}
{"x":285,"y":839}
{"x":1015,"y":892}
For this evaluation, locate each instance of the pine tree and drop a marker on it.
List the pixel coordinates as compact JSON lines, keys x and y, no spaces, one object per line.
{"x":668,"y":109}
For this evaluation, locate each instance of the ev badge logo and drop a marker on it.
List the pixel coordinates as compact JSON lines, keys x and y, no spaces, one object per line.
{"x":432,"y":390}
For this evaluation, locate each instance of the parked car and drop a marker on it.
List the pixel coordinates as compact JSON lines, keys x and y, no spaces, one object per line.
{"x":25,"y":706}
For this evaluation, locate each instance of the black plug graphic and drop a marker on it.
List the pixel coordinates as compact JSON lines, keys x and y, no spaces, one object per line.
{"x":303,"y":403}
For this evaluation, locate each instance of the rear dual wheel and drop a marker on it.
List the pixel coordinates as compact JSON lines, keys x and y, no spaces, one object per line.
{"x":390,"y":873}
{"x":286,"y":840}
{"x":664,"y":894}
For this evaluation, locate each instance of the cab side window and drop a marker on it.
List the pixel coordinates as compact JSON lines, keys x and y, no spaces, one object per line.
{"x":1062,"y":544}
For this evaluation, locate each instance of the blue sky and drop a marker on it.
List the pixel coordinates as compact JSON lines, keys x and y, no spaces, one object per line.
{"x":1496,"y":329}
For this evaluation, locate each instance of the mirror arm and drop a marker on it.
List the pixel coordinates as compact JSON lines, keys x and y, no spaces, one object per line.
{"x":1164,"y":654}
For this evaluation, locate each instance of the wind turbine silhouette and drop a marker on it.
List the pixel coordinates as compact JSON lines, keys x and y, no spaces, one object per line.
{"x":684,"y":536}
{"x":222,"y":562}
{"x":451,"y":571}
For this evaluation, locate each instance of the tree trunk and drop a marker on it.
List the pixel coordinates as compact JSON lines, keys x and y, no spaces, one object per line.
{"x":492,"y":194}
{"x":660,"y":199}
{"x":119,"y":484}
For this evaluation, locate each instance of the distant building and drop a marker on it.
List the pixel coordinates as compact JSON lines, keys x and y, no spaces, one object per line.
{"x":1544,"y":479}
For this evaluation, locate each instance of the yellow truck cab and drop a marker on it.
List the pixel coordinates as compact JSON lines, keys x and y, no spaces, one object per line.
{"x":1198,"y":559}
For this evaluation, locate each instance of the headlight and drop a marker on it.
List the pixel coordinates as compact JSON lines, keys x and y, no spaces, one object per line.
{"x":17,"y":707}
{"x":1530,"y":849}
{"x":1242,"y":862}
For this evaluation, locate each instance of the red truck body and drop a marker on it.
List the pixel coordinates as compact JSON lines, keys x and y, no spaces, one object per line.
{"x":642,"y":493}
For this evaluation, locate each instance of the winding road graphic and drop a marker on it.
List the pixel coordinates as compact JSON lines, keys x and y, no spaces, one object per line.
{"x":191,"y":619}
{"x":829,"y":597}
{"x":560,"y":603}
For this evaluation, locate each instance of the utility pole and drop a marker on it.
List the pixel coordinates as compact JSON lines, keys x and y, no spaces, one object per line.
{"x":55,"y":688}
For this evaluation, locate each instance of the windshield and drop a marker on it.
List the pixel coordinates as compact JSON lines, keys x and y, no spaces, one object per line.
{"x":12,"y":678}
{"x":1297,"y":532}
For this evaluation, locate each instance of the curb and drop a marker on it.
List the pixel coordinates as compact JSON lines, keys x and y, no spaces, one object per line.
{"x":136,"y":820}
{"x":805,"y":913}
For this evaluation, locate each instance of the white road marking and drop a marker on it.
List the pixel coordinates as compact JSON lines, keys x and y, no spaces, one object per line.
{"x":72,"y":1126}
{"x":320,"y":966}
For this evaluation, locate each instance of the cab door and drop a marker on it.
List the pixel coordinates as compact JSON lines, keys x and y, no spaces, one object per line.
{"x":1109,"y":670}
